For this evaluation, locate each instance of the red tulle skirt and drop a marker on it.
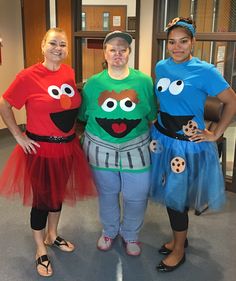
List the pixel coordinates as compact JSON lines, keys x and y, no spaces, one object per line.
{"x":57,"y":173}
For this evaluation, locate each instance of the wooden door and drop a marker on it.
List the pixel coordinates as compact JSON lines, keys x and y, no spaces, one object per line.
{"x":64,"y":21}
{"x":34,"y":28}
{"x":34,"y":14}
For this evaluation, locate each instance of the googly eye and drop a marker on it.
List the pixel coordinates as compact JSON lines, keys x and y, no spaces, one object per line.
{"x":127,"y":104}
{"x":54,"y":92}
{"x":68,"y":90}
{"x":163,"y":84}
{"x":109,"y":105}
{"x":176,"y":87}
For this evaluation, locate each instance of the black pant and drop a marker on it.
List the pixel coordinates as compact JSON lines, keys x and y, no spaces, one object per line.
{"x":38,"y":218}
{"x":178,"y":220}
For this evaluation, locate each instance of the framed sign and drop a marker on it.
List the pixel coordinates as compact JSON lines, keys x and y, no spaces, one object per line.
{"x":131,"y":23}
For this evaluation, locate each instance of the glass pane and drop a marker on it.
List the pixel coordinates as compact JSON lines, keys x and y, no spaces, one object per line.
{"x":209,"y":15}
{"x":83,"y":21}
{"x":106,"y":20}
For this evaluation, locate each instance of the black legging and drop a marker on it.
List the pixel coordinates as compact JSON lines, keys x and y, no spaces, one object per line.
{"x":38,"y":218}
{"x":178,"y":220}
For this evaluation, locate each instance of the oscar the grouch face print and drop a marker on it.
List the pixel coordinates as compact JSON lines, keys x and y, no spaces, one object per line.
{"x":118,"y":112}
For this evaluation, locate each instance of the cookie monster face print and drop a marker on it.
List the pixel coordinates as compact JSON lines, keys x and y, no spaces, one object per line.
{"x":122,"y":105}
{"x":64,"y":120}
{"x":173,"y":92}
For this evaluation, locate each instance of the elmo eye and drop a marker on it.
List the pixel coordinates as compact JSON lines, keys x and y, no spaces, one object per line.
{"x":109,"y":105}
{"x":176,"y":87}
{"x":127,"y":105}
{"x":54,"y":92}
{"x":68,"y":90}
{"x":163,"y":84}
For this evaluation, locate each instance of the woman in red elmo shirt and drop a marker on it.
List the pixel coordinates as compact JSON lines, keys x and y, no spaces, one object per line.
{"x":47,"y":166}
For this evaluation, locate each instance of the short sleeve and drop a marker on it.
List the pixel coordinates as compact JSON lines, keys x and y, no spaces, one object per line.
{"x":152,"y":100}
{"x":82,"y":109}
{"x":16,"y":94}
{"x":216,"y":82}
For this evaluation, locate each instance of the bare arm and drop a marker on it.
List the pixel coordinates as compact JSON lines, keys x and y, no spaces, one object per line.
{"x":9,"y":119}
{"x":228,"y":97}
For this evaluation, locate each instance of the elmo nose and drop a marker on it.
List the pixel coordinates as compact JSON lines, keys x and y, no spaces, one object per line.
{"x":65,"y":101}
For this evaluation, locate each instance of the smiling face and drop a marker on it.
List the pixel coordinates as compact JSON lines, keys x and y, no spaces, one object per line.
{"x":117,"y":52}
{"x":179,"y":45}
{"x":54,"y":47}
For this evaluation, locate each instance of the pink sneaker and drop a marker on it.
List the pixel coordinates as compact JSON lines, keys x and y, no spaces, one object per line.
{"x":104,"y":243}
{"x":133,"y":248}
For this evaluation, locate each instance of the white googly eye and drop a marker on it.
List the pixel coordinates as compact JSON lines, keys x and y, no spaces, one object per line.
{"x":109,"y":105}
{"x":163,"y":84}
{"x":176,"y":87}
{"x":54,"y":92}
{"x":127,"y":104}
{"x":68,"y":90}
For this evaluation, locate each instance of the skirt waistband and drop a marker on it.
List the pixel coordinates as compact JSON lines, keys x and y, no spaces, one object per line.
{"x":170,"y":134}
{"x":54,"y":139}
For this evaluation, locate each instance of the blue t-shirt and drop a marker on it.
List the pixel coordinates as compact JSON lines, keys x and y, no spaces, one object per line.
{"x":182,"y":89}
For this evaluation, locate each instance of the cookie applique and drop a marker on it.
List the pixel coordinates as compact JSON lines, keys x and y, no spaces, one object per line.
{"x":190,"y":129}
{"x":155,"y":146}
{"x":178,"y":165}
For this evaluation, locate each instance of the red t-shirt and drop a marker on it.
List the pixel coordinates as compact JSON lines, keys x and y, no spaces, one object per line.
{"x":50,"y":98}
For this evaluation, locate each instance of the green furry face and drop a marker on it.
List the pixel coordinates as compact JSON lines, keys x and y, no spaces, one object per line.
{"x":122,"y":105}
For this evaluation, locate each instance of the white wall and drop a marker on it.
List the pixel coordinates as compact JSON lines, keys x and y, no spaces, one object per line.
{"x":12,"y":50}
{"x":145,"y":44}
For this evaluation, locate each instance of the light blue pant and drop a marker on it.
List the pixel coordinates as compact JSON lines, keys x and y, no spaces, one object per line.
{"x":134,"y":188}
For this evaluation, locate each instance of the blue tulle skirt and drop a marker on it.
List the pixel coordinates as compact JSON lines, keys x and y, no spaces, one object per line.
{"x":186,"y":174}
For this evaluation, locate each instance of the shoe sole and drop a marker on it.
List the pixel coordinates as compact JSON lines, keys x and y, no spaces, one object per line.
{"x":104,"y":249}
{"x":133,"y":254}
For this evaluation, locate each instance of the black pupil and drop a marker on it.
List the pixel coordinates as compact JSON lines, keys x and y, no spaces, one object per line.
{"x":55,"y":92}
{"x":68,"y":90}
{"x":128,"y":103}
{"x":179,"y":82}
{"x":110,"y":104}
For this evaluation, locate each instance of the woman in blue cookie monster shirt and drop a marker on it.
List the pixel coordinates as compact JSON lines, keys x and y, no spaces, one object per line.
{"x":186,"y":170}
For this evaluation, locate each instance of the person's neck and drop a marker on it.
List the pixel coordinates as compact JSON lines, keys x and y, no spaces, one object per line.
{"x":118,"y":73}
{"x":51,"y":66}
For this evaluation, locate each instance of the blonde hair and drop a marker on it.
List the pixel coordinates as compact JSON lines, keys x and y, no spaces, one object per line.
{"x":54,"y":29}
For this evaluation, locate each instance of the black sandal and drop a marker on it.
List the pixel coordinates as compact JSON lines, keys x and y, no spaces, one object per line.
{"x":60,"y":242}
{"x":39,"y":261}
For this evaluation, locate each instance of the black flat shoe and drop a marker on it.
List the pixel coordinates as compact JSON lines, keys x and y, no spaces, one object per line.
{"x":168,"y":268}
{"x":165,"y":251}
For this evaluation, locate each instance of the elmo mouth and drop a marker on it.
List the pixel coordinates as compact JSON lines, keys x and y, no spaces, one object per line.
{"x":118,"y":128}
{"x":64,"y":120}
